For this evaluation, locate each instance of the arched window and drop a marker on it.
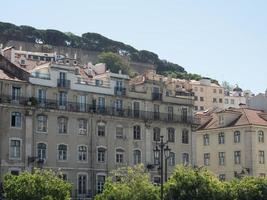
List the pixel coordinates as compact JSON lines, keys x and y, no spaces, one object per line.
{"x":137,"y":132}
{"x":185,"y":136}
{"x":62,"y":124}
{"x":101,"y":129}
{"x":136,"y":157}
{"x":62,"y":152}
{"x":171,"y":134}
{"x":42,"y":123}
{"x":261,"y":136}
{"x":119,"y":155}
{"x":16,"y":119}
{"x":82,"y":153}
{"x":156,"y":134}
{"x":41,"y":150}
{"x":101,"y":154}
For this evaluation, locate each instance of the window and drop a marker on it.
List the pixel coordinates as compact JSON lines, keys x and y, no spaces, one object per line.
{"x":226,"y":101}
{"x":119,"y":155}
{"x":171,"y":135}
{"x":196,"y":108}
{"x":185,"y":136}
{"x":42,"y":123}
{"x":262,"y":175}
{"x":136,"y":107}
{"x":62,"y":124}
{"x":136,"y":132}
{"x":170,"y":113}
{"x":118,"y":105}
{"x":172,"y":159}
{"x":101,"y":104}
{"x":16,"y":93}
{"x":82,"y":127}
{"x":261,"y":157}
{"x":101,"y":128}
{"x":261,"y":136}
{"x":81,"y":102}
{"x":100,"y":183}
{"x":237,"y":157}
{"x":82,"y":184}
{"x":82,"y":153}
{"x":206,"y":139}
{"x":196,"y":98}
{"x":201,"y":107}
{"x":221,"y":138}
{"x":232,"y":101}
{"x":214,"y":100}
{"x":220,"y":100}
{"x":156,"y":134}
{"x":136,"y":157}
{"x":222,"y":177}
{"x":62,"y":99}
{"x":214,"y":90}
{"x":41,"y":96}
{"x":62,"y":152}
{"x":201,"y":98}
{"x":221,"y":120}
{"x":41,"y":150}
{"x":221,"y":158}
{"x":201,"y":89}
{"x":63,"y":176}
{"x":119,"y":132}
{"x":15,"y":149}
{"x":206,"y":159}
{"x":16,"y":119}
{"x":185,"y":158}
{"x":156,"y":111}
{"x":236,"y":137}
{"x":101,"y":154}
{"x":220,"y":91}
{"x":184,"y":114}
{"x":195,"y":89}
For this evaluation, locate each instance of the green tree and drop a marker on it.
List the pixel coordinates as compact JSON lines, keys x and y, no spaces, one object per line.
{"x":129,"y":183}
{"x":194,"y":184}
{"x":249,"y":188}
{"x":40,"y":185}
{"x":115,"y":63}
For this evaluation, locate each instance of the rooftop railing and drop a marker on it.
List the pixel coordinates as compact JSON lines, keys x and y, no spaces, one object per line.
{"x":40,"y":75}
{"x":97,"y":109}
{"x":63,"y":83}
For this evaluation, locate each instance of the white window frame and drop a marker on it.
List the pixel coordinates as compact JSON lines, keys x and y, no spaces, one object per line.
{"x":102,"y":185}
{"x":137,"y":149}
{"x":105,"y":156}
{"x":121,"y":153}
{"x":46,"y":151}
{"x":20,"y":149}
{"x":21,"y":119}
{"x":67,"y":153}
{"x":86,"y":153}
{"x":87,"y":183}
{"x":39,"y":131}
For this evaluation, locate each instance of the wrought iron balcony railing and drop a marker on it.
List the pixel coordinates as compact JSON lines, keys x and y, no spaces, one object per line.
{"x":156,"y":96}
{"x":63,"y":83}
{"x":120,"y":91}
{"x":95,"y":109}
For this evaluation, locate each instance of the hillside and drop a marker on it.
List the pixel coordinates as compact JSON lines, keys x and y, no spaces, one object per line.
{"x":90,"y":42}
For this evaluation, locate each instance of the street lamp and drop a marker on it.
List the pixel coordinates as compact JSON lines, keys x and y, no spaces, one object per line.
{"x":162,"y":149}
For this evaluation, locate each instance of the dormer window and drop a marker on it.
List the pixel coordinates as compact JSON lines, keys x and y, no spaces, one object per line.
{"x":22,"y":62}
{"x":221,"y":120}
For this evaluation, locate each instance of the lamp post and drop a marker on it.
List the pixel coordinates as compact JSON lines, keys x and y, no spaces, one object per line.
{"x":161,"y":150}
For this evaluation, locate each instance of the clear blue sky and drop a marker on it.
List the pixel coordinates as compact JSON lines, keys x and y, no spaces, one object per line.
{"x":222,"y":39}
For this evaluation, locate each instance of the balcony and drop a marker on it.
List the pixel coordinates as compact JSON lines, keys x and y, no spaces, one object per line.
{"x":98,"y":110}
{"x":62,"y":83}
{"x":156,"y":96}
{"x":119,"y":91}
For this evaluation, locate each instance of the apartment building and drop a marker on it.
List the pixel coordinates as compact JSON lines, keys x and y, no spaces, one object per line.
{"x":85,"y":121}
{"x":258,"y":102}
{"x":207,"y":94}
{"x":231,"y":143}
